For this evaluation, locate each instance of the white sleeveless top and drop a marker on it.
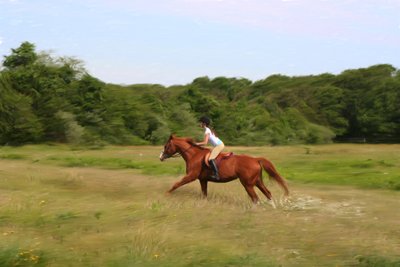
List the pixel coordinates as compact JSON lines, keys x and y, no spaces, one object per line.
{"x":213,"y":140}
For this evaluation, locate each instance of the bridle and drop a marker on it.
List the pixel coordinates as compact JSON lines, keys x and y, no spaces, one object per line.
{"x":175,"y":155}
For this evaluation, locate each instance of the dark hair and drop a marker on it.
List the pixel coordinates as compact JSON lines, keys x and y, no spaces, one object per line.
{"x":205,"y":120}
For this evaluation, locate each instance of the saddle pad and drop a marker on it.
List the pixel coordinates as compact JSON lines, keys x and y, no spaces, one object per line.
{"x":221,"y":156}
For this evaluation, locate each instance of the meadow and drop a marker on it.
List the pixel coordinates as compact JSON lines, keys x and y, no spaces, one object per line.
{"x":71,"y":206}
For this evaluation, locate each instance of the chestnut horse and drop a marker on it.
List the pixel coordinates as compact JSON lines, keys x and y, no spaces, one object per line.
{"x":247,"y":169}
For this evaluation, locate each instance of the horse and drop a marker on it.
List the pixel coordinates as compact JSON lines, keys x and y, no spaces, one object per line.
{"x":248,"y":169}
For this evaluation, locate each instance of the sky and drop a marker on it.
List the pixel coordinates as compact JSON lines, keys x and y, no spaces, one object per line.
{"x":173,"y":42}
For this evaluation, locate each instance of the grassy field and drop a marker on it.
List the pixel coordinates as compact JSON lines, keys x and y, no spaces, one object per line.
{"x":65,"y":206}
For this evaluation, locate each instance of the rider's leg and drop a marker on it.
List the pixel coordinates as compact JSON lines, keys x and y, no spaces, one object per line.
{"x":214,"y":167}
{"x":214,"y":153}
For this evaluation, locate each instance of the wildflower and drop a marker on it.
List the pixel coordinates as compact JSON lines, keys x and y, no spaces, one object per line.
{"x":35,"y":258}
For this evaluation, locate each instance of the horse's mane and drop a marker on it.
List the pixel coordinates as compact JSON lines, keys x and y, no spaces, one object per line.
{"x":193,"y":143}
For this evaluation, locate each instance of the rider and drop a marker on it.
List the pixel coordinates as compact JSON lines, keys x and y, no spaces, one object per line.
{"x":210,"y":137}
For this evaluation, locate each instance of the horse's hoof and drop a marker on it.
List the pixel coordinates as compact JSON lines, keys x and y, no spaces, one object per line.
{"x":272,"y":203}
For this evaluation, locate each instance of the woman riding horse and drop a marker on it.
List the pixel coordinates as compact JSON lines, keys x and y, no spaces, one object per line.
{"x":210,"y":137}
{"x":247,"y":169}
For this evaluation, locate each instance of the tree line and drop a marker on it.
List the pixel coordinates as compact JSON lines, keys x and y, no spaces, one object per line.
{"x":53,"y":99}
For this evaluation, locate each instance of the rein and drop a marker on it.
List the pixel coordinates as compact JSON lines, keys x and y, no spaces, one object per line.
{"x":179,"y":154}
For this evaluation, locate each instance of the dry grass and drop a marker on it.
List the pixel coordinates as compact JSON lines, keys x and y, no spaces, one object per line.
{"x":60,"y":216}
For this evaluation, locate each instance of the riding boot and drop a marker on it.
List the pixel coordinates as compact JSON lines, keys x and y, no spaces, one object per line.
{"x":215,"y":169}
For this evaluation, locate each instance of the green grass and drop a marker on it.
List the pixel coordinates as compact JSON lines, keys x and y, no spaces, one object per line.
{"x":63,"y":206}
{"x":15,"y":256}
{"x":147,"y":167}
{"x":12,"y":156}
{"x":369,"y":166}
{"x":377,"y":261}
{"x":364,"y":166}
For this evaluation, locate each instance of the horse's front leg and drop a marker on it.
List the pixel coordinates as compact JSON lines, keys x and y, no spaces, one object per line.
{"x":185,"y":180}
{"x":204,"y":183}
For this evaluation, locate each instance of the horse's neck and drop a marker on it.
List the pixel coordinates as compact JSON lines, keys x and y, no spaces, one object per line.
{"x":188,"y":151}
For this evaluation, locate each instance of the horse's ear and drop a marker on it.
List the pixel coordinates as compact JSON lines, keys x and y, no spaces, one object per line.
{"x":172,"y":136}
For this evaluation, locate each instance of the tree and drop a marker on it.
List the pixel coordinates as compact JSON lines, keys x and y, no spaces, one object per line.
{"x":18,"y":124}
{"x":21,"y":56}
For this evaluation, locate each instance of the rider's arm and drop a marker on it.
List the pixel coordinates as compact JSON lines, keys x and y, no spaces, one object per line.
{"x":205,"y":141}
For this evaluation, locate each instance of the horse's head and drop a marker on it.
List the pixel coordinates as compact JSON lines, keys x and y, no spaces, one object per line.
{"x":170,"y":149}
{"x":177,"y":146}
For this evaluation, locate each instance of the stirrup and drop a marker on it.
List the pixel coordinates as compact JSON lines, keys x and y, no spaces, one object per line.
{"x":215,"y":176}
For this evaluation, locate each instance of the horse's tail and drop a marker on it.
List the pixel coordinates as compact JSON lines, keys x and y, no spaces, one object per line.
{"x":272,"y":172}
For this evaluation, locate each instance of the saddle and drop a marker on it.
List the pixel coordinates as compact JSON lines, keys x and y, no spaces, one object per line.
{"x":222,"y":156}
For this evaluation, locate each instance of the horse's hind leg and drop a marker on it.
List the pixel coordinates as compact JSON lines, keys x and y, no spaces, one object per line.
{"x":252,"y":194}
{"x":260,"y":185}
{"x":248,"y":181}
